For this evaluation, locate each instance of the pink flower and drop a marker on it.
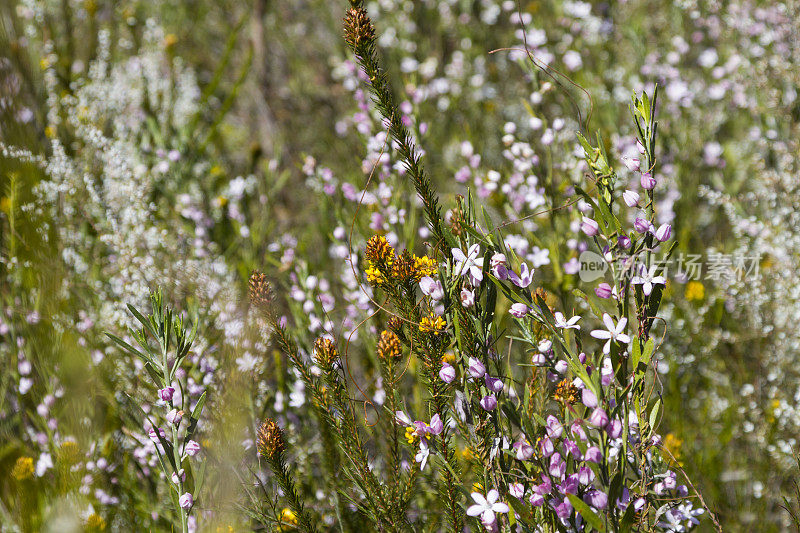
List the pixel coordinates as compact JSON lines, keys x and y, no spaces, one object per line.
{"x":647,"y":181}
{"x":525,"y":276}
{"x":519,"y":310}
{"x":664,"y":232}
{"x":154,"y":436}
{"x":603,"y":290}
{"x":633,"y":164}
{"x":593,"y":455}
{"x":467,"y":265}
{"x":467,"y":297}
{"x":588,"y":398}
{"x":598,"y":418}
{"x":498,"y":264}
{"x":186,"y":501}
{"x":516,"y":490}
{"x":613,"y":332}
{"x":631,"y":198}
{"x":431,"y":287}
{"x":493,"y":384}
{"x":192,"y":448}
{"x":489,"y":402}
{"x":596,"y":498}
{"x":523,"y":448}
{"x":166,"y":393}
{"x":174,"y":417}
{"x":179,"y":476}
{"x":553,"y":427}
{"x":476,"y":368}
{"x":447,"y":373}
{"x":589,"y":227}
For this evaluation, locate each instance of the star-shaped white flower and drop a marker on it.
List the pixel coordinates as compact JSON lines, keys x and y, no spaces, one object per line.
{"x":487,"y":506}
{"x":467,"y":265}
{"x":647,"y":279}
{"x":563,"y":323}
{"x":612,"y":332}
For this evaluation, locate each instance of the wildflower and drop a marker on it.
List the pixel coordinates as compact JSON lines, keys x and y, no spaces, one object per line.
{"x":695,"y":291}
{"x":423,"y":454}
{"x":270,"y":444}
{"x":566,"y":392}
{"x":633,"y":164}
{"x":570,"y":485}
{"x":447,"y":373}
{"x":155,"y":436}
{"x":23,"y":469}
{"x":585,"y":475}
{"x":288,"y":516}
{"x":432,"y":288}
{"x":589,"y":227}
{"x":498,"y":265}
{"x":612,"y":332}
{"x":598,"y":418}
{"x":325,"y":352}
{"x":186,"y":500}
{"x":663,"y":233}
{"x":166,"y":393}
{"x":631,"y":198}
{"x":179,"y":476}
{"x":432,"y":324}
{"x":572,"y":449}
{"x":562,"y":323}
{"x":487,"y":506}
{"x":603,"y":290}
{"x":380,"y":258}
{"x":557,"y":467}
{"x":647,"y":279}
{"x":647,"y":181}
{"x":174,"y":417}
{"x":476,"y":368}
{"x":524,"y":278}
{"x":624,"y":242}
{"x":192,"y":448}
{"x":546,"y":446}
{"x":424,"y":267}
{"x":260,"y":293}
{"x":467,"y":297}
{"x":614,"y":429}
{"x":519,"y":310}
{"x":553,"y":427}
{"x":95,"y":522}
{"x":523,"y":448}
{"x":489,"y":402}
{"x":588,"y":398}
{"x":493,"y":384}
{"x":517,"y":490}
{"x":467,"y":265}
{"x":596,"y":498}
{"x":564,"y":509}
{"x":403,"y":268}
{"x":389,"y":347}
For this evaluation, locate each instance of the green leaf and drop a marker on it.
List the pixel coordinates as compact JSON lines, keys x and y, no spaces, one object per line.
{"x":195,"y":416}
{"x":586,"y":512}
{"x":654,"y":414}
{"x":128,"y":348}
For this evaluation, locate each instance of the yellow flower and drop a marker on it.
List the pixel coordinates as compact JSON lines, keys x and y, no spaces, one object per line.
{"x":424,"y":266}
{"x":23,"y":469}
{"x":673,"y":445}
{"x":411,"y":434}
{"x":466,"y":453}
{"x":70,"y":454}
{"x":287,"y":515}
{"x":170,"y":40}
{"x":695,"y":291}
{"x":477,"y":487}
{"x":433,"y":324}
{"x":95,"y":522}
{"x":449,"y":358}
{"x":375,"y":276}
{"x":50,"y":132}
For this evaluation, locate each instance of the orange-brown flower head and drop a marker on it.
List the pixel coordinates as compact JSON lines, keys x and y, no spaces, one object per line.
{"x":260,"y":290}
{"x":403,"y":269}
{"x":358,"y":28}
{"x":271,"y":443}
{"x":389,"y":347}
{"x":326,"y":352}
{"x":566,"y":392}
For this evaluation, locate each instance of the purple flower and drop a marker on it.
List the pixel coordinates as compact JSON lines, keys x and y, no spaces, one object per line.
{"x":634,"y":165}
{"x":614,"y":428}
{"x":498,"y":263}
{"x":166,"y":393}
{"x":641,"y":225}
{"x":593,"y":455}
{"x":603,"y":290}
{"x":431,"y":287}
{"x":489,"y":402}
{"x":624,"y":242}
{"x":596,"y":498}
{"x":436,"y":426}
{"x":179,"y":476}
{"x":537,"y":500}
{"x":519,"y":310}
{"x":647,"y":278}
{"x":192,"y":448}
{"x":572,"y":449}
{"x":564,"y":509}
{"x":544,"y":487}
{"x":570,"y":485}
{"x":476,"y":368}
{"x":493,"y":384}
{"x":447,"y":373}
{"x":154,"y":436}
{"x":554,"y":427}
{"x":557,"y":467}
{"x":589,"y":227}
{"x":585,"y":475}
{"x":664,"y":232}
{"x":523,"y":448}
{"x":547,"y":447}
{"x":631,"y":198}
{"x":186,"y":500}
{"x":598,"y":418}
{"x":516,"y":490}
{"x":588,"y":398}
{"x":525,"y":276}
{"x":577,"y":430}
{"x":563,"y":323}
{"x":648,"y":182}
{"x":467,"y":297}
{"x":174,"y":417}
{"x":561,"y":366}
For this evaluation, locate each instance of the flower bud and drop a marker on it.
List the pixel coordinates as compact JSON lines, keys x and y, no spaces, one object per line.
{"x":648,"y":182}
{"x":589,"y":227}
{"x":664,"y":232}
{"x":631,"y":198}
{"x":603,"y":290}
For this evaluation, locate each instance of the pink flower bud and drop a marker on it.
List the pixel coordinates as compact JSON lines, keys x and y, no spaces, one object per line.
{"x":192,"y":448}
{"x":476,"y":368}
{"x":166,"y":393}
{"x":633,"y":164}
{"x":186,"y":501}
{"x":447,"y":373}
{"x":589,"y":227}
{"x":603,"y":290}
{"x":664,"y":232}
{"x":519,"y":310}
{"x":641,"y":225}
{"x":598,"y":418}
{"x":631,"y":198}
{"x":489,"y":402}
{"x":648,"y":182}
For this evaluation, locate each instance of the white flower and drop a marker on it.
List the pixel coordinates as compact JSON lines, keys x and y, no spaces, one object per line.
{"x":647,"y":279}
{"x":431,"y":287}
{"x":612,"y":332}
{"x":487,"y":506}
{"x":467,"y":265}
{"x":562,"y":323}
{"x":423,"y":454}
{"x":246,"y":362}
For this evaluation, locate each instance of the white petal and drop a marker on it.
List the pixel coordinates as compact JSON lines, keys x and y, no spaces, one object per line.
{"x":475,"y":510}
{"x":500,"y":507}
{"x":624,"y":339}
{"x":492,"y":496}
{"x":601,"y":334}
{"x":608,"y":321}
{"x":480,"y":499}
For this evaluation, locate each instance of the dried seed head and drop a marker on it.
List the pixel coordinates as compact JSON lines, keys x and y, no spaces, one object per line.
{"x":260,"y":290}
{"x":271,"y":443}
{"x":358,"y":28}
{"x":566,"y":392}
{"x":389,"y":346}
{"x":326,"y":352}
{"x":395,"y":325}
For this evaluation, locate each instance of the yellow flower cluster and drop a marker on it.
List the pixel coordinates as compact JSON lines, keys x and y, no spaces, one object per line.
{"x":424,"y":266}
{"x":385,"y":265}
{"x":23,"y":469}
{"x":695,"y":291}
{"x":432,"y":324}
{"x":95,"y":522}
{"x":410,"y":434}
{"x":673,"y":444}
